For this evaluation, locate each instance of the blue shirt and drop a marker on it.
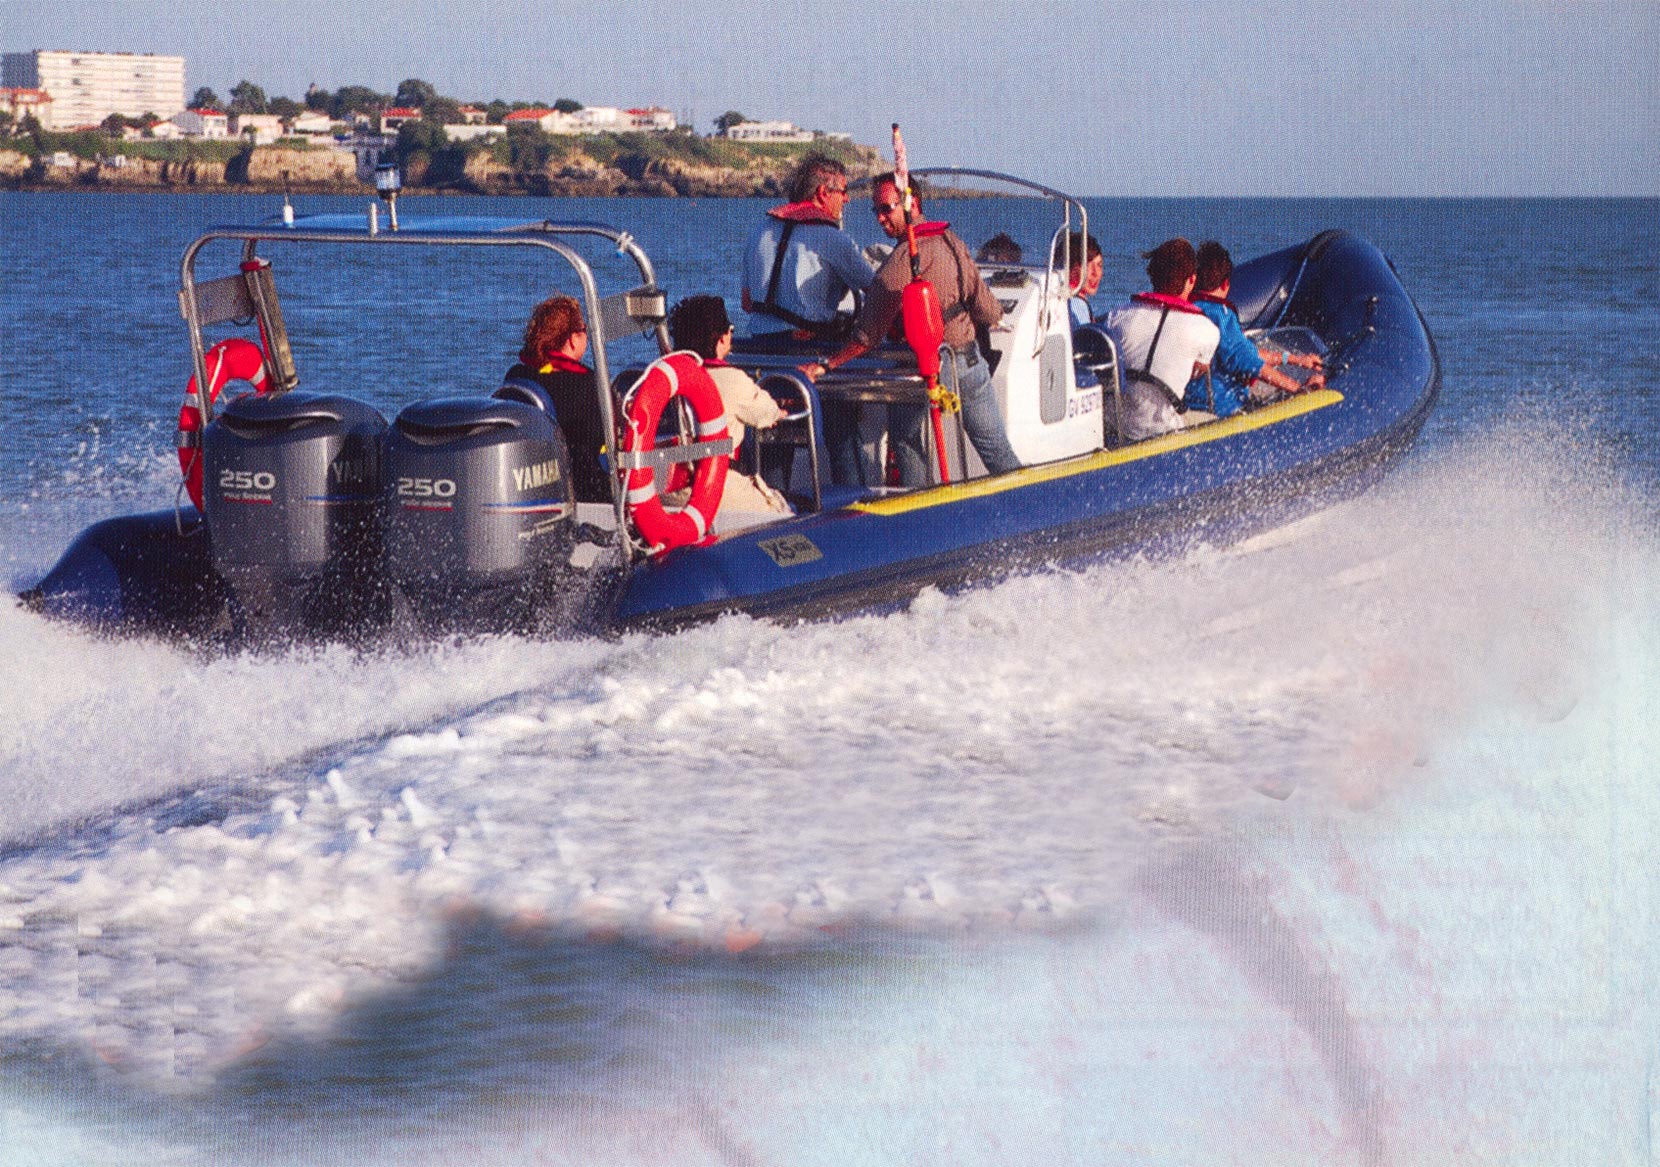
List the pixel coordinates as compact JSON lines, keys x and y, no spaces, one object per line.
{"x":821,"y":266}
{"x":1235,"y":365}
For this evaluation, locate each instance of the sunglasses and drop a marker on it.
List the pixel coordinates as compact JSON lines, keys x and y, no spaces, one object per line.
{"x":880,"y":209}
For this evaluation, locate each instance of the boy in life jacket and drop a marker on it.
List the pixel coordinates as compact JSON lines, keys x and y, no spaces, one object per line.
{"x":1164,"y":342}
{"x":1241,"y":371}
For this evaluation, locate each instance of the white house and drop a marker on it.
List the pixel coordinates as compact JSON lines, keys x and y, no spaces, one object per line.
{"x":163,"y":130}
{"x":549,"y":121}
{"x":468,"y":133}
{"x":22,"y":102}
{"x":768,"y":132}
{"x":391,"y":119}
{"x":203,"y":123}
{"x":263,"y":128}
{"x":311,"y":124}
{"x":653,"y":118}
{"x":596,"y":119}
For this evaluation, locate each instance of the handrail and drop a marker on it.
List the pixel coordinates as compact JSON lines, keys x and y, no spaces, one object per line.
{"x":1063,"y":233}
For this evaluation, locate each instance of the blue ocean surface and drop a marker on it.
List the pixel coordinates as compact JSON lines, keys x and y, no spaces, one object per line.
{"x":1335,"y":847}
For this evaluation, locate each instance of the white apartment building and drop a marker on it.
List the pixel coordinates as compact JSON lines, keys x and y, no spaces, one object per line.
{"x":87,"y":87}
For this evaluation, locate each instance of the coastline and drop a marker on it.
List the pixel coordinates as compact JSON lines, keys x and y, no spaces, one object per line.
{"x":272,"y":169}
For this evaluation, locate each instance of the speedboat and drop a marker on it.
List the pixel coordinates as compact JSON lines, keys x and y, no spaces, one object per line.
{"x":311,"y":514}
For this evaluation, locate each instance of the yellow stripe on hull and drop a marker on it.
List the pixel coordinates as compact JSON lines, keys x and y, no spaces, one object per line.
{"x":1030,"y":475}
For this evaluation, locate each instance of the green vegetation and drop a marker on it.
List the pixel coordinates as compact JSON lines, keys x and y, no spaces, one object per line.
{"x":529,"y":149}
{"x":246,"y":97}
{"x":94,"y":144}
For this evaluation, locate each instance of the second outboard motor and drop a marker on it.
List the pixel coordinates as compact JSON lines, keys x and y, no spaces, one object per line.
{"x":480,"y":515}
{"x":292,"y":492}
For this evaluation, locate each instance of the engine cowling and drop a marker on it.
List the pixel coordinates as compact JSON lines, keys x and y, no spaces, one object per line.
{"x":479,"y":525}
{"x":292,"y":494}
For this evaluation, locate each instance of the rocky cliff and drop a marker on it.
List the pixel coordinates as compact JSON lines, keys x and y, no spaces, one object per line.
{"x":269,"y":168}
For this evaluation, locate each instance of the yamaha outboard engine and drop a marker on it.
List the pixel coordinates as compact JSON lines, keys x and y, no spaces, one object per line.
{"x":292,"y":492}
{"x":480,"y":514}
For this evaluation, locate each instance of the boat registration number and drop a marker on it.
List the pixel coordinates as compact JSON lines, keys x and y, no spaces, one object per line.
{"x":790,"y":550}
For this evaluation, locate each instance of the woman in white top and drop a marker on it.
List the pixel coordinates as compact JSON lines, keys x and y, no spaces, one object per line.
{"x":699,"y":324}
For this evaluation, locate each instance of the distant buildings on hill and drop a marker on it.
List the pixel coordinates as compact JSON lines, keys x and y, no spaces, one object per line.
{"x":65,"y":90}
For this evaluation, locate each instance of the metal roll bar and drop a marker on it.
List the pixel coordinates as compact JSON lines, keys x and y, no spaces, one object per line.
{"x":348,"y":229}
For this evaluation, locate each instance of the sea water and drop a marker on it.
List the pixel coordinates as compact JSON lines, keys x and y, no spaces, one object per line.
{"x":1333,"y":847}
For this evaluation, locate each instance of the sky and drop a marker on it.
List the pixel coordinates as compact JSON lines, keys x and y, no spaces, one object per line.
{"x":1106,"y":97}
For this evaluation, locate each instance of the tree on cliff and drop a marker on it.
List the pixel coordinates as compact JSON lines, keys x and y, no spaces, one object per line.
{"x":115,"y":124}
{"x":205,"y":98}
{"x":284,"y":107}
{"x":246,"y":97}
{"x":350,"y":99}
{"x":443,"y":111}
{"x":566,"y":105}
{"x":729,"y":119}
{"x":414,"y":93}
{"x":419,"y":137}
{"x":427,"y":156}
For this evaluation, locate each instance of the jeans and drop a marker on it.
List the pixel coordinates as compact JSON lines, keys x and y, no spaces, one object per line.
{"x":909,"y":424}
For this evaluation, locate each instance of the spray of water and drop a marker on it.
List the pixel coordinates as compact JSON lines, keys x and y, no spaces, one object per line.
{"x":1037,"y":862}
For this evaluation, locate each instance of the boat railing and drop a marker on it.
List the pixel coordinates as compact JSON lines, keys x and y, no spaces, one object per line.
{"x":1059,"y":257}
{"x":803,"y":422}
{"x":640,"y":309}
{"x":1094,"y":352}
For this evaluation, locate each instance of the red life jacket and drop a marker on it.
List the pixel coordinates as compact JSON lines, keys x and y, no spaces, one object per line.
{"x":1165,"y":300}
{"x":1213,"y":298}
{"x":794,"y":215}
{"x":802,"y":213}
{"x":557,"y":363}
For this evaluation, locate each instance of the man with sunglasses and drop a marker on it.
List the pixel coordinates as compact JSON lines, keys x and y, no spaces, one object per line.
{"x":965,"y":302}
{"x":800,"y":267}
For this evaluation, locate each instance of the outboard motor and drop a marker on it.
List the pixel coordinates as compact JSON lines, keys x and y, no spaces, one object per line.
{"x":292,"y":495}
{"x":480,"y":517}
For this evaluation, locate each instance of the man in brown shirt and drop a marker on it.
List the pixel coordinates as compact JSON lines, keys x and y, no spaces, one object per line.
{"x":965,"y":301}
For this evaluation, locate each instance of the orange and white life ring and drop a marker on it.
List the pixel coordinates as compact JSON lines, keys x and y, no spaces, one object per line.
{"x":232,"y":359}
{"x":678,"y":374}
